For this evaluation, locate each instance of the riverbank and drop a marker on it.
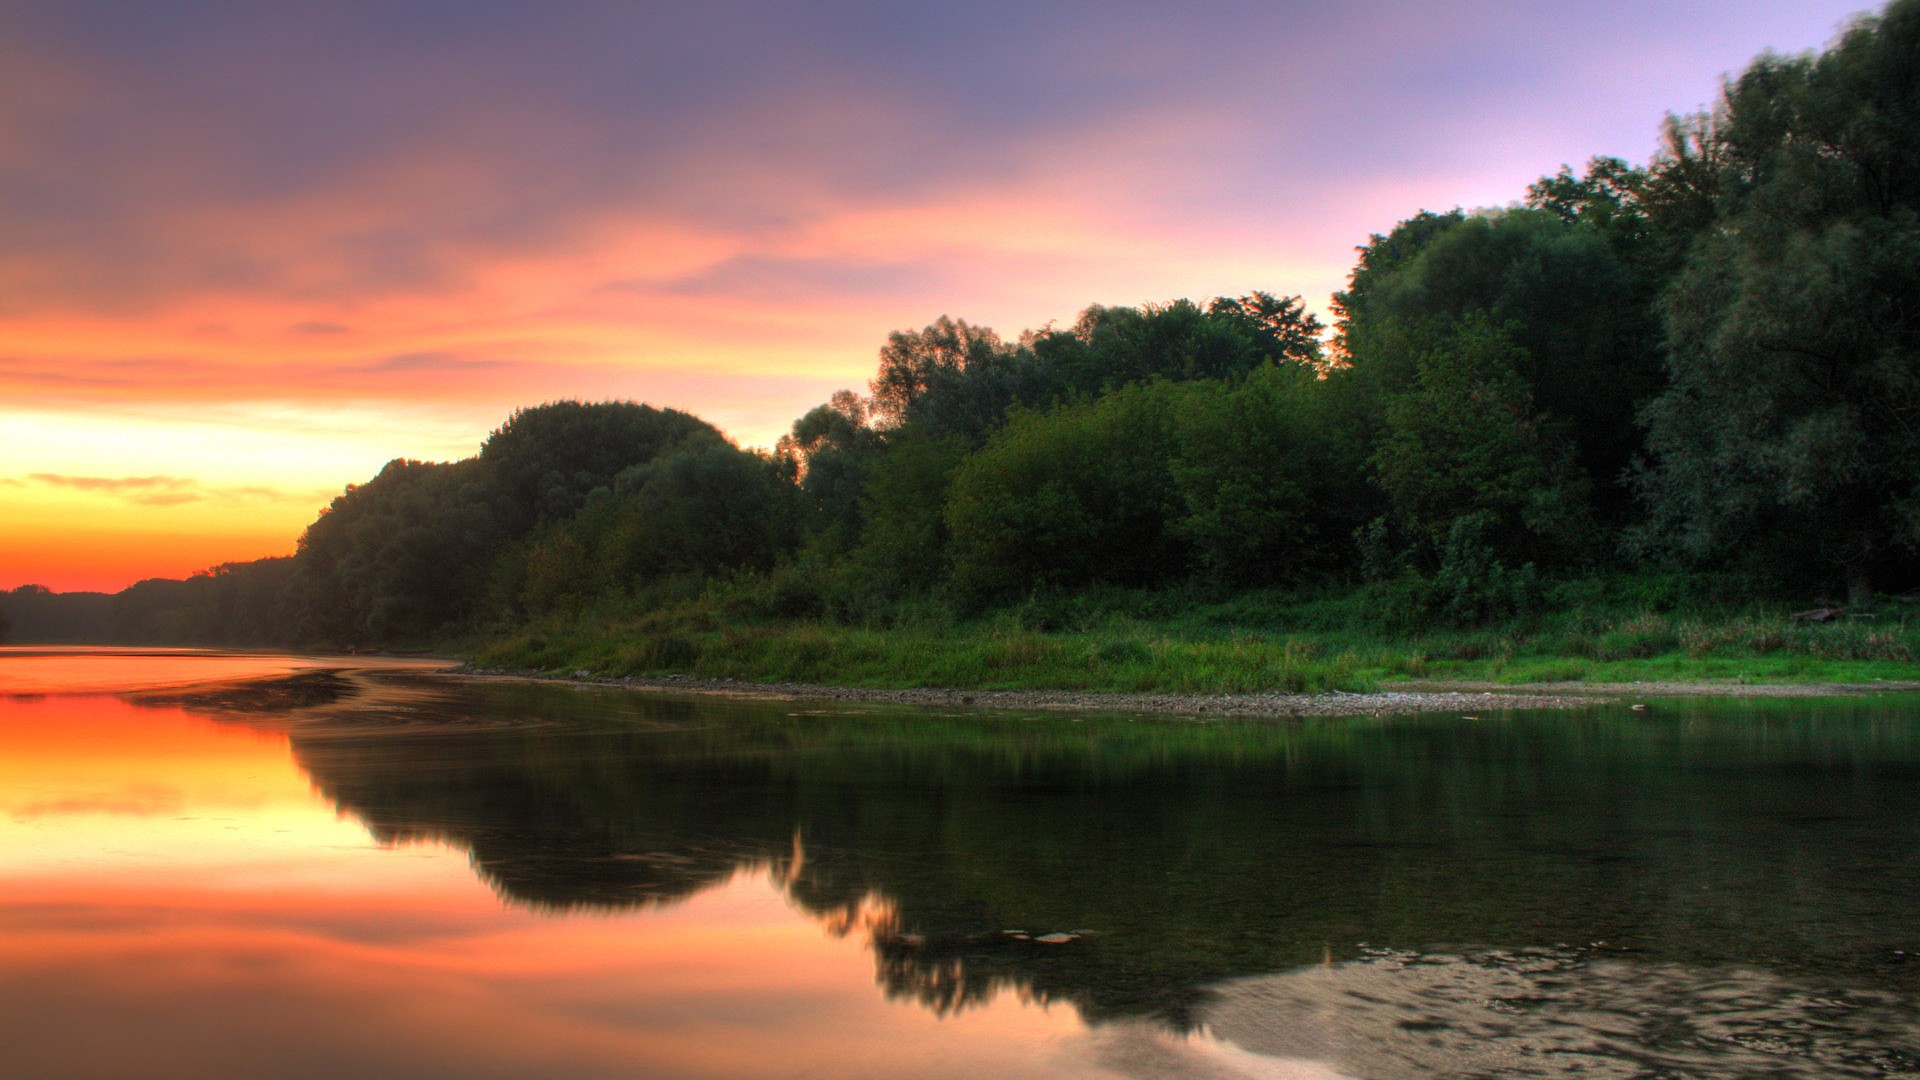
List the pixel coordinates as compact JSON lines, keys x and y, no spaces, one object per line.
{"x":1399,"y":700}
{"x":1265,"y":653}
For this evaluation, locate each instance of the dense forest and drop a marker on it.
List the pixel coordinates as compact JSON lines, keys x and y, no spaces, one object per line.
{"x":1703,"y":369}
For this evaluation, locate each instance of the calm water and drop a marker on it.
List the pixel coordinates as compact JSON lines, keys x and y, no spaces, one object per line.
{"x":377,"y":872}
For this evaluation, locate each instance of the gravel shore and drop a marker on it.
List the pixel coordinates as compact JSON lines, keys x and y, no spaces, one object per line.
{"x":1413,"y":698}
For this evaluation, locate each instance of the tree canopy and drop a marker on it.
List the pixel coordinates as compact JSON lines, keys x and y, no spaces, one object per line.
{"x":1791,"y":427}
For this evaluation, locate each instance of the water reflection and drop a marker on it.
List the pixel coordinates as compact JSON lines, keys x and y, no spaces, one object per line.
{"x":240,"y":927}
{"x":1695,"y":890}
{"x":1177,"y":854}
{"x":29,"y":671}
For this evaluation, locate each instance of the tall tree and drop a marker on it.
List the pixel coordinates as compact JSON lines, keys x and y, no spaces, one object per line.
{"x":951,"y":376}
{"x":702,"y":508}
{"x":400,"y":556}
{"x":904,"y":539}
{"x":1565,"y":282}
{"x":829,"y":451}
{"x":1078,"y":494}
{"x":1792,"y":425}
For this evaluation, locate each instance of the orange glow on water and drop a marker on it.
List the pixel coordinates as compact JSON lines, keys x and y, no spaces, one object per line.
{"x":177,"y":882}
{"x":426,"y":974}
{"x":61,"y":670}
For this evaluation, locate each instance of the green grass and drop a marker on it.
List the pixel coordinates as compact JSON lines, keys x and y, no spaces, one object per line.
{"x":979,"y":656}
{"x":1179,"y":641}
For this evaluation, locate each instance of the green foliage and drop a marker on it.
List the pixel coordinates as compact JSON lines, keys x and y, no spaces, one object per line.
{"x":242,"y":603}
{"x":904,"y":545}
{"x":1237,"y":482}
{"x":829,"y":451}
{"x":1378,"y":560}
{"x":41,"y":615}
{"x":1789,"y":430}
{"x":1111,"y":347}
{"x":399,"y":557}
{"x":1076,"y":495}
{"x":702,"y":508}
{"x":1473,"y":586}
{"x":1465,"y":440}
{"x":1609,"y":197}
{"x":1281,"y":326}
{"x":1263,"y":484}
{"x":1114,"y":639}
{"x":950,"y":377}
{"x":541,"y":464}
{"x":1182,"y":340}
{"x":556,"y":569}
{"x":426,"y":548}
{"x":956,"y":379}
{"x":1568,"y":284}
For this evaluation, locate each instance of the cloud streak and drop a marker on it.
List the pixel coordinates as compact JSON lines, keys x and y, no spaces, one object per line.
{"x":160,"y":490}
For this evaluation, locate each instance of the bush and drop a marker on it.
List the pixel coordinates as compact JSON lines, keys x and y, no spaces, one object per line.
{"x":1473,"y":586}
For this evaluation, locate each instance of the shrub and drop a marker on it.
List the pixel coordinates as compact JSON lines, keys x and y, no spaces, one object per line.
{"x":1473,"y":586}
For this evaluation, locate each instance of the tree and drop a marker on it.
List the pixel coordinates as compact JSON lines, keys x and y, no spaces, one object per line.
{"x":1568,"y":281}
{"x":1266,"y":489}
{"x":1239,"y":481}
{"x":904,"y":539}
{"x":1075,"y":495}
{"x":1468,"y":439}
{"x":541,"y":464}
{"x":401,"y":556}
{"x":828,"y":452}
{"x":1110,"y":347}
{"x":41,"y":615}
{"x":1284,"y":327}
{"x":956,"y":379}
{"x":703,"y":508}
{"x":235,"y":603}
{"x":1792,"y":424}
{"x":951,"y":376}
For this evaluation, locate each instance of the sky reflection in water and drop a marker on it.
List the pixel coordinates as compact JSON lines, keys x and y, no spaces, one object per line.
{"x":177,"y":900}
{"x":384,"y":876}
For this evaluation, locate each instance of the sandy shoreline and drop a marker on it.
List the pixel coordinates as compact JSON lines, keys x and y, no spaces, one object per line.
{"x":1411,"y":698}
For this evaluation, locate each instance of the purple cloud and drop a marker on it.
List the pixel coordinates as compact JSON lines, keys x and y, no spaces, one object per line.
{"x":355,"y":149}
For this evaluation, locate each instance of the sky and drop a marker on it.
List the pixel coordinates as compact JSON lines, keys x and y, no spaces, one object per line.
{"x":251,"y":252}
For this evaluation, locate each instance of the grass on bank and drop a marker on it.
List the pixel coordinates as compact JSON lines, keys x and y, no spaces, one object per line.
{"x":1612,"y":630}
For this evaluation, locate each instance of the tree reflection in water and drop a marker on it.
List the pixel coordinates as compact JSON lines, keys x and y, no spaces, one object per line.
{"x":1776,"y":836}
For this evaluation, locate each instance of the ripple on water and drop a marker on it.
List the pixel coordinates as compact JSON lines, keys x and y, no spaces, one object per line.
{"x":1550,"y":1013}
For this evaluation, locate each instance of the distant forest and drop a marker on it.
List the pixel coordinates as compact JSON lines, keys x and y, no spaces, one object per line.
{"x":1708,"y":364}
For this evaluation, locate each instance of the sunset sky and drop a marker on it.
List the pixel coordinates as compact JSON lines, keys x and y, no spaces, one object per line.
{"x":250,"y":252}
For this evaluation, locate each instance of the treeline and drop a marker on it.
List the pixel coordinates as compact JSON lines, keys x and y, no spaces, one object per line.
{"x":240,"y":603}
{"x":1710,"y":362}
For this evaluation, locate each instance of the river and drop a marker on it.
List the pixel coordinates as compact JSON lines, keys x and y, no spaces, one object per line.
{"x":241,"y":865}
